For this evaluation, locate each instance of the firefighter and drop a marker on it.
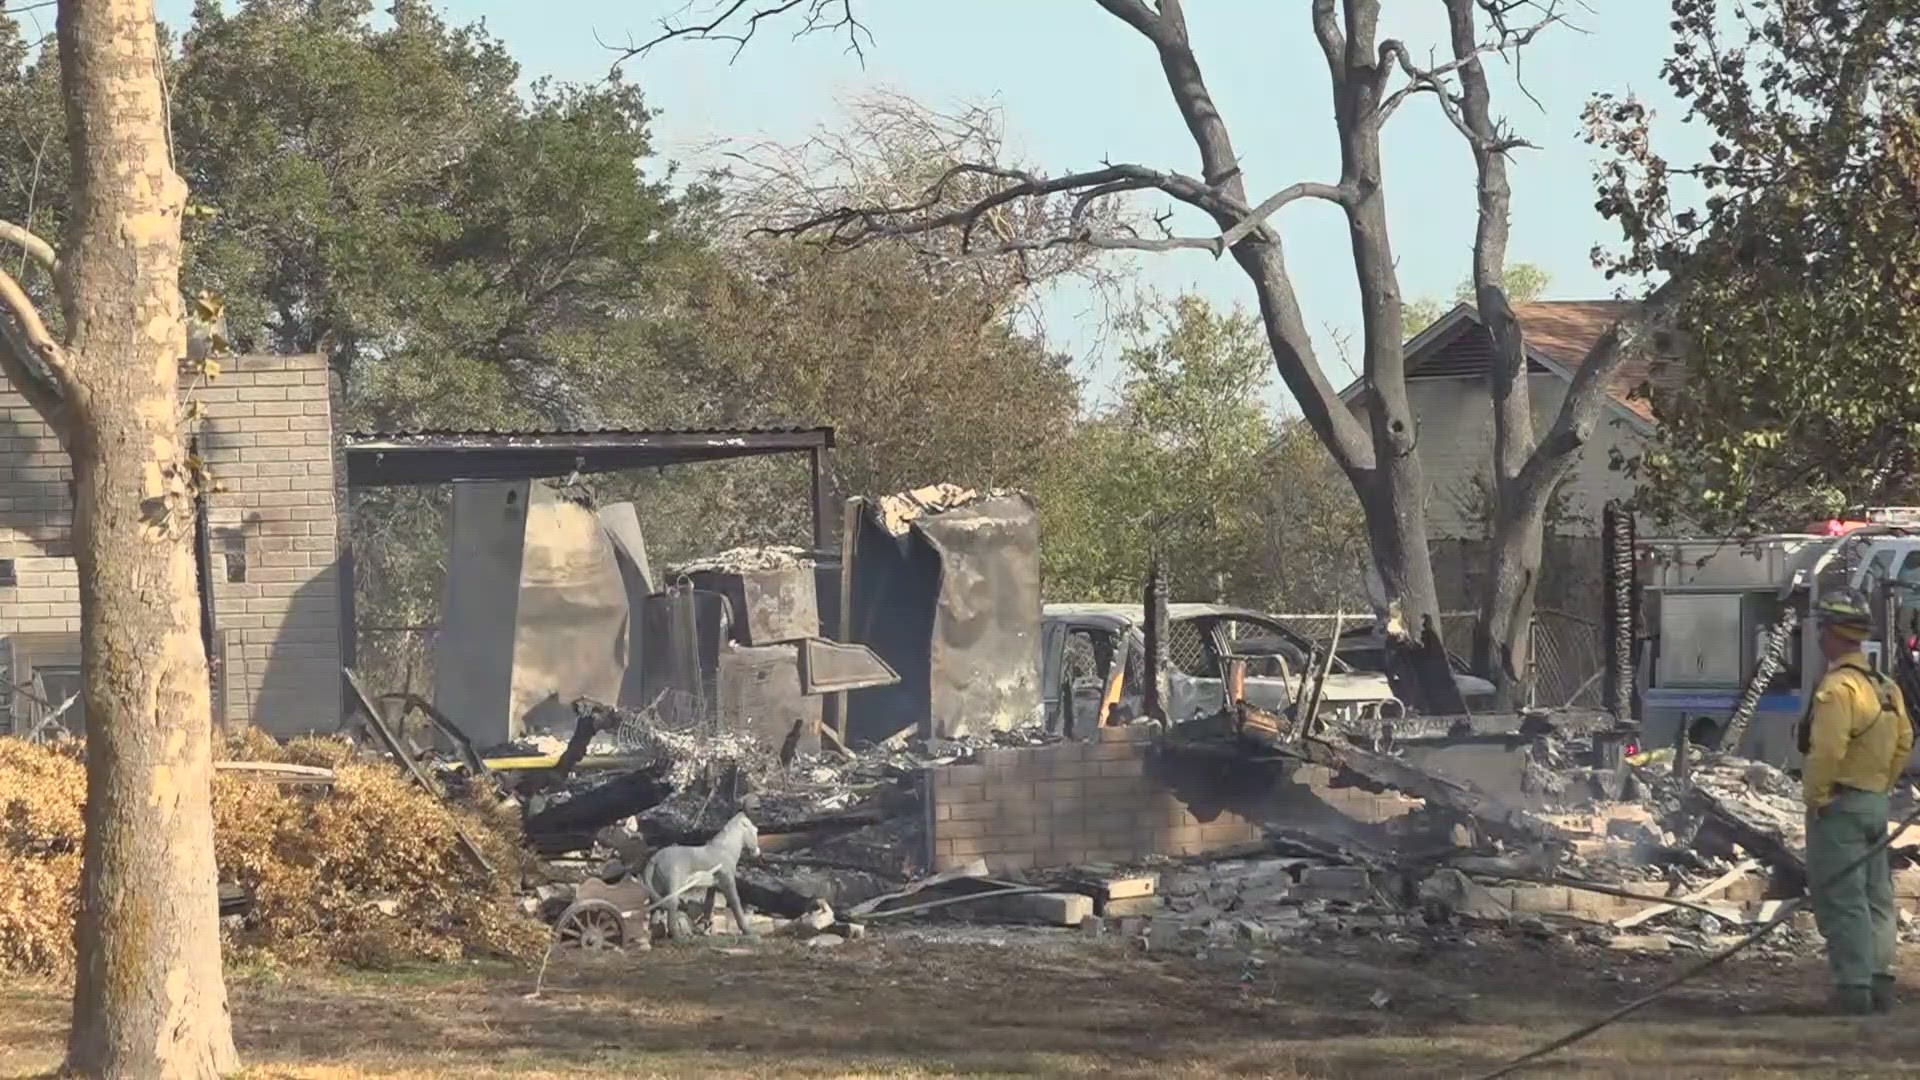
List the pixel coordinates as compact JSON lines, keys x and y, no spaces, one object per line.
{"x":1856,"y":739}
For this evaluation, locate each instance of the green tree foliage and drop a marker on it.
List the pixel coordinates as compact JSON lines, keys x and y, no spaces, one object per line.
{"x":1793,"y":283}
{"x":1246,"y":506}
{"x":1524,"y":282}
{"x":469,"y":254}
{"x":922,"y":383}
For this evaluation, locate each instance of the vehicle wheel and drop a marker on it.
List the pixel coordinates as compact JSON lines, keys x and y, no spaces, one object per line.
{"x":591,"y":924}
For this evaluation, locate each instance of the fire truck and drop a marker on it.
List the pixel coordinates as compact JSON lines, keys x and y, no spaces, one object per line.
{"x":1712,"y":610}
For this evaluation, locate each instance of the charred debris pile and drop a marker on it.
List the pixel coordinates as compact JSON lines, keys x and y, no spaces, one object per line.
{"x":1654,"y":853}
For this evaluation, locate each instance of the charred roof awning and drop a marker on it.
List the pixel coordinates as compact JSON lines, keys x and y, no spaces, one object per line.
{"x":432,"y":457}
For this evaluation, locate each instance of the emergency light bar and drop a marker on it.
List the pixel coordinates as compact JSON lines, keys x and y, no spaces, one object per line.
{"x":1893,"y":515}
{"x":1897,"y":516}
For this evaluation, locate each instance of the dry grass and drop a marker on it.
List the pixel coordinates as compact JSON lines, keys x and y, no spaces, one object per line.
{"x":898,"y":1008}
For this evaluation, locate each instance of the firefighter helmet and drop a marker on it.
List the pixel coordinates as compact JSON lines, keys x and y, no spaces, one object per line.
{"x":1844,"y":611}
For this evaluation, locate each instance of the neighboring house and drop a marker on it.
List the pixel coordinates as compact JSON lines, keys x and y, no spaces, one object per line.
{"x":271,"y":578}
{"x":1447,"y":369}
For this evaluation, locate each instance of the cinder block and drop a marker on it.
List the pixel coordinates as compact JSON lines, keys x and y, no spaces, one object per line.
{"x":1342,"y":876}
{"x":1600,"y":907}
{"x":1132,"y":906}
{"x":958,"y":793}
{"x":1074,"y":768}
{"x":1013,"y":825}
{"x":1055,"y":789}
{"x":971,"y":811}
{"x":955,"y":830}
{"x":1542,"y":899}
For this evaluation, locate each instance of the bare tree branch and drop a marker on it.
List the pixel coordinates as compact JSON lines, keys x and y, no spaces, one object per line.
{"x":1271,"y":205}
{"x":851,"y":226}
{"x":1580,"y":410}
{"x":40,"y":251}
{"x":33,"y":362}
{"x":1433,"y":79}
{"x":1260,"y":253}
{"x":1326,"y":30}
{"x":746,"y":16}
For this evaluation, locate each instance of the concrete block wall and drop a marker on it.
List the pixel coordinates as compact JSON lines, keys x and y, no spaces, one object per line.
{"x":1385,"y":808}
{"x":267,"y":434}
{"x":1110,"y":800}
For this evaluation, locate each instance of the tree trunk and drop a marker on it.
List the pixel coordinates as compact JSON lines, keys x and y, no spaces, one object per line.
{"x":1501,"y":639}
{"x":1392,"y":499}
{"x":149,"y":999}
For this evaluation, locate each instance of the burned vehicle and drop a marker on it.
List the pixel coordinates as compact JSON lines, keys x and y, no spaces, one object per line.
{"x":1092,"y":666}
{"x":1364,"y":648}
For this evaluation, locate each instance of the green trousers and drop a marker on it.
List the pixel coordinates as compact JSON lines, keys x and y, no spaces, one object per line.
{"x":1856,"y":913}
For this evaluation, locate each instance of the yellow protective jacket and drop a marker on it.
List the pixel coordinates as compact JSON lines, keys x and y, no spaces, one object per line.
{"x":1857,"y":732}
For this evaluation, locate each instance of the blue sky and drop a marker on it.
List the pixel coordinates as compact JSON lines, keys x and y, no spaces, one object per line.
{"x":1078,"y":87}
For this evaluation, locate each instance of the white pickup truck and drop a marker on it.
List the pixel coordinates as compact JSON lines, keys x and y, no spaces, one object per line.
{"x":1079,"y":643}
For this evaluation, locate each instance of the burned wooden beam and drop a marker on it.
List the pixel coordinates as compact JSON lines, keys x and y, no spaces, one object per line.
{"x":1494,"y":816}
{"x":589,"y":811}
{"x":1154,"y":693}
{"x":391,"y":742}
{"x":1764,"y":839}
{"x":1622,"y":610}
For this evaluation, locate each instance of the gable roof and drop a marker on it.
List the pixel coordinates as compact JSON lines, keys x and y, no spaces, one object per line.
{"x":1559,"y":335}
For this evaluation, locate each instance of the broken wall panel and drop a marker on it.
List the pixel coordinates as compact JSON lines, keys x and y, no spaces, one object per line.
{"x":536,"y":606}
{"x":950,"y":599}
{"x":573,"y":606}
{"x":985,"y":665}
{"x":769,"y":607}
{"x":895,"y":588}
{"x":621,"y":522}
{"x":760,"y":692}
{"x":473,"y":651}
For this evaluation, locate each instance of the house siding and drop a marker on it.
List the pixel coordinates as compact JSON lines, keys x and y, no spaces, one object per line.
{"x":1455,"y":418}
{"x":267,"y":435}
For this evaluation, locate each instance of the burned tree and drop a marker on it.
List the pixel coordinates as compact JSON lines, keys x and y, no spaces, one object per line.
{"x":1375,"y":441}
{"x":1526,"y":469}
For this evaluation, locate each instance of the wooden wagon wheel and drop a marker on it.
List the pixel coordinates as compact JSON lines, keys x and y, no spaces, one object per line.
{"x":591,"y":924}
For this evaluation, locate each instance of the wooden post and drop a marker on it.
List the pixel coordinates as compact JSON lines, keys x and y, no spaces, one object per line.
{"x":817,"y":486}
{"x":1618,"y":568}
{"x":1153,"y":703}
{"x":849,"y":534}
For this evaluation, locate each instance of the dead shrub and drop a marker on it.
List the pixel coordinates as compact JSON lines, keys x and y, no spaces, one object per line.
{"x":368,"y":874}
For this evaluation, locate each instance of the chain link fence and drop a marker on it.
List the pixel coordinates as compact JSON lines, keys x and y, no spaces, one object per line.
{"x":1569,"y":657}
{"x":1569,"y":660}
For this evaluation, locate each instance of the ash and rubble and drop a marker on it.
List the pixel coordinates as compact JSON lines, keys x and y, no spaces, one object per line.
{"x":1679,"y":833}
{"x":848,"y":828}
{"x":858,"y":830}
{"x":852,"y":823}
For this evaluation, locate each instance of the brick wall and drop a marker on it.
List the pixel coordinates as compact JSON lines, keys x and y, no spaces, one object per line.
{"x":268,"y":436}
{"x":1121,"y":798}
